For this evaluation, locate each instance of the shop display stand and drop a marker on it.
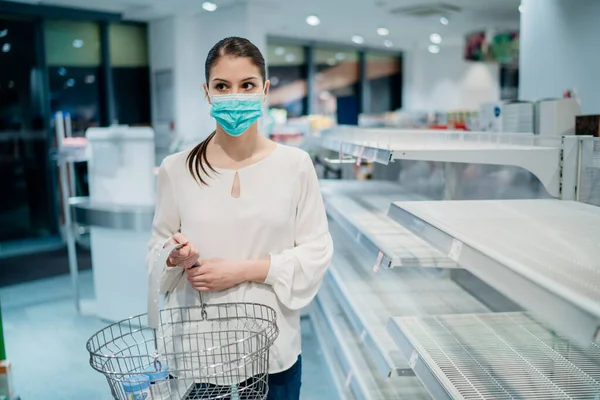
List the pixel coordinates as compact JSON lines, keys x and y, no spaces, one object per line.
{"x":369,"y":300}
{"x":496,"y":356}
{"x":543,"y":254}
{"x":353,"y":367}
{"x":479,"y":354}
{"x":358,"y":213}
{"x":553,"y":160}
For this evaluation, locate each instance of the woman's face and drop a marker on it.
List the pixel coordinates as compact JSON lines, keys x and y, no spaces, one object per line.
{"x":235,"y":75}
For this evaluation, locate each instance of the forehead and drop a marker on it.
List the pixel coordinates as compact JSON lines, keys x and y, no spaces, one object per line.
{"x":234,"y":68}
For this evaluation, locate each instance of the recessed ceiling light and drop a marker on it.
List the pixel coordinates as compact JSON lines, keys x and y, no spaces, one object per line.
{"x":90,"y":79}
{"x":435,"y":38}
{"x":274,"y":80}
{"x":388,"y":43}
{"x":209,"y":6}
{"x":4,"y":32}
{"x":313,"y":20}
{"x":6,"y":47}
{"x":279,"y":51}
{"x":78,"y":43}
{"x":383,"y":31}
{"x":290,"y":57}
{"x":340,"y":56}
{"x":70,"y":82}
{"x":444,"y":21}
{"x":433,"y":48}
{"x":521,"y":8}
{"x":358,"y":39}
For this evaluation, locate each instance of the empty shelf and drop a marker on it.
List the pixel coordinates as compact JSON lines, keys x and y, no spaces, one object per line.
{"x":359,"y":378}
{"x":496,"y":356}
{"x":537,"y":154}
{"x":328,"y":344}
{"x":363,"y":216}
{"x":543,"y":254}
{"x":369,"y":300}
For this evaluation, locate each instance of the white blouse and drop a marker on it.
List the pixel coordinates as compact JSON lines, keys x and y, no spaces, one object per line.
{"x":279,"y":213}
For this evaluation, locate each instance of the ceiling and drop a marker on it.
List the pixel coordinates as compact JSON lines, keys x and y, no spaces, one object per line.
{"x":340,"y":19}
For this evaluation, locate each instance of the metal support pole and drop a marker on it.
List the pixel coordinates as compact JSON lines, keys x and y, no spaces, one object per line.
{"x":68,"y":225}
{"x":70,"y":165}
{"x":569,"y":167}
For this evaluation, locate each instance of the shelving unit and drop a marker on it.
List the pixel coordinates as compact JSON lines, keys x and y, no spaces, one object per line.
{"x":552,"y":159}
{"x":525,"y":249}
{"x":363,"y":216}
{"x":369,"y":300}
{"x":496,"y":356}
{"x":542,"y":254}
{"x":351,"y":362}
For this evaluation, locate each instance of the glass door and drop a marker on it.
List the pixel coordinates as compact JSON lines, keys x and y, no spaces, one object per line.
{"x":26,"y":209}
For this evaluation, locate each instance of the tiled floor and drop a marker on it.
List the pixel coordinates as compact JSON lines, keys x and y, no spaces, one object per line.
{"x":46,"y":338}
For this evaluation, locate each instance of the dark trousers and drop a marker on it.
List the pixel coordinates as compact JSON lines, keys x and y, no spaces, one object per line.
{"x":286,"y":385}
{"x":282,"y":386}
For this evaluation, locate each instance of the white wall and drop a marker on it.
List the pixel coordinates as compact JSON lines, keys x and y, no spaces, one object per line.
{"x":559,"y":50}
{"x":446,"y":82}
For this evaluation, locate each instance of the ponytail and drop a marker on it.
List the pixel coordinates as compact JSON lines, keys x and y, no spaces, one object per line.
{"x":197,"y":159}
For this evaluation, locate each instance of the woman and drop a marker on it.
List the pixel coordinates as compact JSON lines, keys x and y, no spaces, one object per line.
{"x":247,"y":210}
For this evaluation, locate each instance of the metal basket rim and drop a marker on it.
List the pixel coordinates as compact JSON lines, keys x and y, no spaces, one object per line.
{"x":93,"y":353}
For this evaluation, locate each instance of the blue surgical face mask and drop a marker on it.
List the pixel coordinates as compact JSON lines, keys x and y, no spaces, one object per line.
{"x":236,"y":112}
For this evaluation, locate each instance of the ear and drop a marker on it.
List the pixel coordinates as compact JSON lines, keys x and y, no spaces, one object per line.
{"x":206,"y":95}
{"x":267,"y":87}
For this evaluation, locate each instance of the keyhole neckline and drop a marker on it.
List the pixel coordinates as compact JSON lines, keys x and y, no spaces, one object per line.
{"x":249,"y":166}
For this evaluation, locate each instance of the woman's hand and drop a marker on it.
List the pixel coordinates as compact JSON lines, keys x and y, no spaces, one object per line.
{"x":216,"y":274}
{"x":186,"y":256}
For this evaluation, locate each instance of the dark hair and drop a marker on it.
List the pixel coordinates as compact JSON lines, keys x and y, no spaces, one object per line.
{"x":234,"y":47}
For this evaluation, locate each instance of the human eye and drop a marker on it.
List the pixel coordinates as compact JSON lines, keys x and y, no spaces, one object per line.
{"x":221,"y":87}
{"x":248,"y":86}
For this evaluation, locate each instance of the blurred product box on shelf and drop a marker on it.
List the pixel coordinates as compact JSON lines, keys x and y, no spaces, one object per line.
{"x":556,"y":117}
{"x":518,"y":117}
{"x":6,"y":380}
{"x":587,"y":125}
{"x":490,"y":117}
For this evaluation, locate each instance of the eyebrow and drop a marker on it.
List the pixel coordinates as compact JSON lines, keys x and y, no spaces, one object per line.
{"x":243,"y":80}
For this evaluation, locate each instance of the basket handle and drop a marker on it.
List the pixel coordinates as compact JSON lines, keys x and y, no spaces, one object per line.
{"x":155,"y":275}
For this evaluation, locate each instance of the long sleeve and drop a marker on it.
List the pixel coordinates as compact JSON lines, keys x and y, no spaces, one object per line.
{"x":166,"y":223}
{"x":296,"y":274}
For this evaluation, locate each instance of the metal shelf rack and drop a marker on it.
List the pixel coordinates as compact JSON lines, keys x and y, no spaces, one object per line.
{"x":363,"y":217}
{"x":552,"y":159}
{"x":543,"y":254}
{"x":333,"y":330}
{"x":369,"y":300}
{"x":496,"y":356}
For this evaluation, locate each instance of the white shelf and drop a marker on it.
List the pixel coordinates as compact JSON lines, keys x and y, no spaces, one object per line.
{"x":541,"y":155}
{"x":543,"y":254}
{"x":328,"y":345}
{"x":496,"y":356}
{"x":369,"y":300}
{"x":334,"y":330}
{"x":363,"y":217}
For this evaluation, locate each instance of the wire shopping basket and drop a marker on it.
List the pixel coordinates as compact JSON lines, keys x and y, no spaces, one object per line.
{"x":218,"y":351}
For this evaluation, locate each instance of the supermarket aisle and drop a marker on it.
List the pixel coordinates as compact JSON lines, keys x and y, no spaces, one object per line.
{"x":46,"y":343}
